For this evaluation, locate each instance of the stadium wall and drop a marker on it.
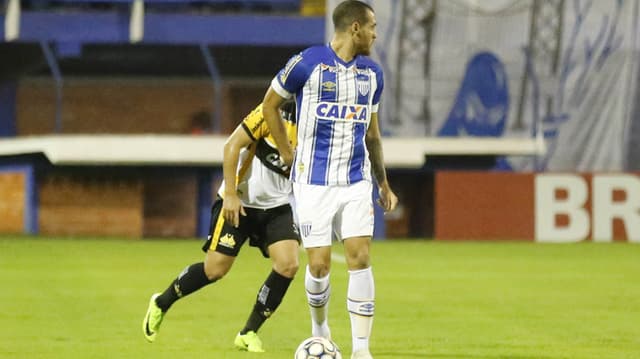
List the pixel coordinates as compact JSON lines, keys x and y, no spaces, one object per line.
{"x":414,"y":215}
{"x":132,"y":105}
{"x":170,"y":206}
{"x":446,"y":205}
{"x":115,"y":201}
{"x":89,"y":206}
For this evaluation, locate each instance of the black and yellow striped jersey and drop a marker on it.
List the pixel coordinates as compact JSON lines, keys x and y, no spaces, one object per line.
{"x":264,"y":183}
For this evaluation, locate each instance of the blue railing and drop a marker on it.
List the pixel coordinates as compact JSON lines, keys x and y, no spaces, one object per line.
{"x":176,"y":27}
{"x":236,"y":4}
{"x":250,"y":30}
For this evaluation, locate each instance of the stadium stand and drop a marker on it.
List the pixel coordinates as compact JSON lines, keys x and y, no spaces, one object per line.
{"x":107,"y":112}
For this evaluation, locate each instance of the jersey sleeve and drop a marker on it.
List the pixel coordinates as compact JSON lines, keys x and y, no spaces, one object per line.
{"x":292,"y":77}
{"x":254,"y":124}
{"x":378,"y":94}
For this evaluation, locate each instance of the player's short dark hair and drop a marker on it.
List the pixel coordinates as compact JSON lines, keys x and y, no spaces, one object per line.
{"x":349,"y":11}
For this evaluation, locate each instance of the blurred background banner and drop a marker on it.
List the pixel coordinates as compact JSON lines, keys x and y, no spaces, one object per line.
{"x":561,"y":70}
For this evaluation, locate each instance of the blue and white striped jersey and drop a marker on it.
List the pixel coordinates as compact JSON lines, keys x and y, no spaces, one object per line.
{"x":334,"y":102}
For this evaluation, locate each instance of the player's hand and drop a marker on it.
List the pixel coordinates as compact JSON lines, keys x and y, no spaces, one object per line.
{"x":287,"y":157}
{"x":388,"y":200}
{"x":232,"y":209}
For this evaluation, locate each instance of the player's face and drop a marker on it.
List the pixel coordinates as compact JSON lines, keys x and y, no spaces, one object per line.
{"x":366,"y":35}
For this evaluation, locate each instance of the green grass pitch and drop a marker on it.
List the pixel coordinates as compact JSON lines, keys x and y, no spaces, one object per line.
{"x":85,"y":298}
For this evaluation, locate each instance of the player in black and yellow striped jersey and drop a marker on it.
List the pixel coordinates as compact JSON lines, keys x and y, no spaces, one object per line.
{"x":253,"y":204}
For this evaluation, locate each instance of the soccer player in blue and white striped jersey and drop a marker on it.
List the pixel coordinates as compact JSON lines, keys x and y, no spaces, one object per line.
{"x":337,"y":90}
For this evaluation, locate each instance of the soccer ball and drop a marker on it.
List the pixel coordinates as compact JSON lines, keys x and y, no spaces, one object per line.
{"x":317,"y":348}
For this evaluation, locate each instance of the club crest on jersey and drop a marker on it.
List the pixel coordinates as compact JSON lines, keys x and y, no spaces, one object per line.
{"x":363,"y":87}
{"x":342,"y":112}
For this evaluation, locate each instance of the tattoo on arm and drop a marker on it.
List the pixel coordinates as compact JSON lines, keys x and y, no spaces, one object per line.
{"x":374,"y":145}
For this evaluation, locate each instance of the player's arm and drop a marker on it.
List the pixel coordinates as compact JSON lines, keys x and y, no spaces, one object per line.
{"x":231,"y":204}
{"x":388,"y":199}
{"x":284,"y":85}
{"x":271,"y":112}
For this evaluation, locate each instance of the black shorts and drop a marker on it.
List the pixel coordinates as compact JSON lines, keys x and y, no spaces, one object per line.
{"x":262,"y":227}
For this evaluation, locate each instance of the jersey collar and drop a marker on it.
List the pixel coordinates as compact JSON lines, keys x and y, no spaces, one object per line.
{"x":341,"y":61}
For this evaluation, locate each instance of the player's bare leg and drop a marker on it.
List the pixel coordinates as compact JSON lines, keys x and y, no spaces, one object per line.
{"x":360,"y":294}
{"x":318,"y":290}
{"x":284,"y":255}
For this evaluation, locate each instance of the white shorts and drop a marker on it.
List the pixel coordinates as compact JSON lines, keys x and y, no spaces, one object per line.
{"x":345,"y":211}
